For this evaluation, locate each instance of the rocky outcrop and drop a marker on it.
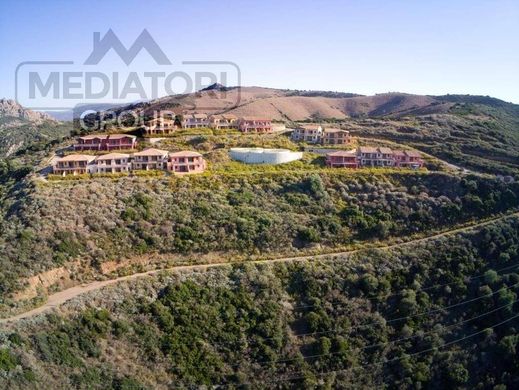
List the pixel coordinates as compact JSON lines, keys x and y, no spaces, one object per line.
{"x":10,"y":108}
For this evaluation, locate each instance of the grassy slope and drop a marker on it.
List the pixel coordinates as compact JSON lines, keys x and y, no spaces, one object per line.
{"x":237,"y":325}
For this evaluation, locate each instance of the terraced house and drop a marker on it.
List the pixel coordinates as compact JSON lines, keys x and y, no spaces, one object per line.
{"x":342,"y":159}
{"x":150,"y":159}
{"x":160,"y":125}
{"x":411,"y":159}
{"x":106,"y":142}
{"x":186,"y":162}
{"x":194,"y":121}
{"x":112,"y":163}
{"x":336,"y":137}
{"x":369,"y":156}
{"x":308,"y":133}
{"x":375,"y":157}
{"x":73,"y":164}
{"x":223,"y":122}
{"x":250,"y":124}
{"x":313,"y":134}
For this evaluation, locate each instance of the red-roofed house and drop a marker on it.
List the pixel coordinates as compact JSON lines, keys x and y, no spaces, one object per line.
{"x":342,"y":159}
{"x":336,"y":137}
{"x":150,"y":159}
{"x":249,"y":124}
{"x":368,"y":156}
{"x":160,"y":125}
{"x":308,"y":133}
{"x":194,"y":121}
{"x":73,"y":164}
{"x":413,"y":160}
{"x":186,"y":162}
{"x":375,"y":157}
{"x":106,"y":142}
{"x":223,"y":121}
{"x":112,"y":163}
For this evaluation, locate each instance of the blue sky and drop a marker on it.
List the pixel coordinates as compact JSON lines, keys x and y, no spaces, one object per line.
{"x":366,"y":47}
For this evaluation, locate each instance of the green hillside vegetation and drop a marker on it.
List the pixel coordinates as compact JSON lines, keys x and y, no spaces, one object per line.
{"x":46,"y":225}
{"x":18,"y":136}
{"x":484,"y":138}
{"x":439,"y":314}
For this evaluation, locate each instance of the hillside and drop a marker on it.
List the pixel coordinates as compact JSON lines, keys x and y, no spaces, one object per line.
{"x":293,"y":105}
{"x":305,"y":324}
{"x":439,"y":314}
{"x":21,"y":128}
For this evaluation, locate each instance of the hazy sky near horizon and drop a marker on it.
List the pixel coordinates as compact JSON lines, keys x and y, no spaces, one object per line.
{"x":423,"y":47}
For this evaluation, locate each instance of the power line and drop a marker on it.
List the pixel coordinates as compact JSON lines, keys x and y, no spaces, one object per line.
{"x":361,"y":326}
{"x":265,"y":362}
{"x":405,"y":317}
{"x":397,"y":358}
{"x":418,"y":290}
{"x":388,"y":321}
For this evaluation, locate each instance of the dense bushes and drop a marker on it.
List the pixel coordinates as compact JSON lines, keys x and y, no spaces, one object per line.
{"x":101,"y":220}
{"x":471,"y":135}
{"x":420,"y":316}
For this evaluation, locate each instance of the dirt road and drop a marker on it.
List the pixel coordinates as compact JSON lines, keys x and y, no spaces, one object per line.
{"x":61,"y":297}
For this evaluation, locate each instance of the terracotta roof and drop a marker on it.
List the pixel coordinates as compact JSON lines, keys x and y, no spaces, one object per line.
{"x":200,"y":116}
{"x":159,"y":120}
{"x":309,"y":127}
{"x":94,"y":136}
{"x":343,"y":153}
{"x":413,"y":153}
{"x":385,"y":150}
{"x":119,"y":136}
{"x":367,"y":149}
{"x":151,"y":152}
{"x":229,"y":116}
{"x":185,"y":153}
{"x":112,"y":156}
{"x":398,"y":153}
{"x":77,"y":157}
{"x":254,"y":118}
{"x":334,"y":130}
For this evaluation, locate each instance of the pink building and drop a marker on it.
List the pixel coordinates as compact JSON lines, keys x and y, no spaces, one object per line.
{"x":112,"y":163}
{"x":195,"y":121}
{"x":308,"y":133}
{"x":73,"y":164}
{"x":223,"y":121}
{"x":342,"y":159}
{"x":106,"y":142}
{"x":369,"y":156}
{"x":336,"y":137}
{"x":375,"y":157}
{"x":412,"y":159}
{"x":160,"y":125}
{"x":249,"y":124}
{"x":186,"y":162}
{"x":150,"y":159}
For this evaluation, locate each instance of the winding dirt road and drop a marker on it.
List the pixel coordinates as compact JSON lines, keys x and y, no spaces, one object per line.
{"x":61,"y":297}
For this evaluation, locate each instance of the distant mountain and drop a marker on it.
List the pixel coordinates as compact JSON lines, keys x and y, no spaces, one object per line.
{"x":66,"y":115}
{"x":10,"y":108}
{"x":69,"y":115}
{"x":21,"y":128}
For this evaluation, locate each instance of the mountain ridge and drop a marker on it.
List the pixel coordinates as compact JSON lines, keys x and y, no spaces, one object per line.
{"x":300,"y":105}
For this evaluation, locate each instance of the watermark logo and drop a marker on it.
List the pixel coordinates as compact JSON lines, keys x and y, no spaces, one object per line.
{"x":116,"y":75}
{"x":111,"y":41}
